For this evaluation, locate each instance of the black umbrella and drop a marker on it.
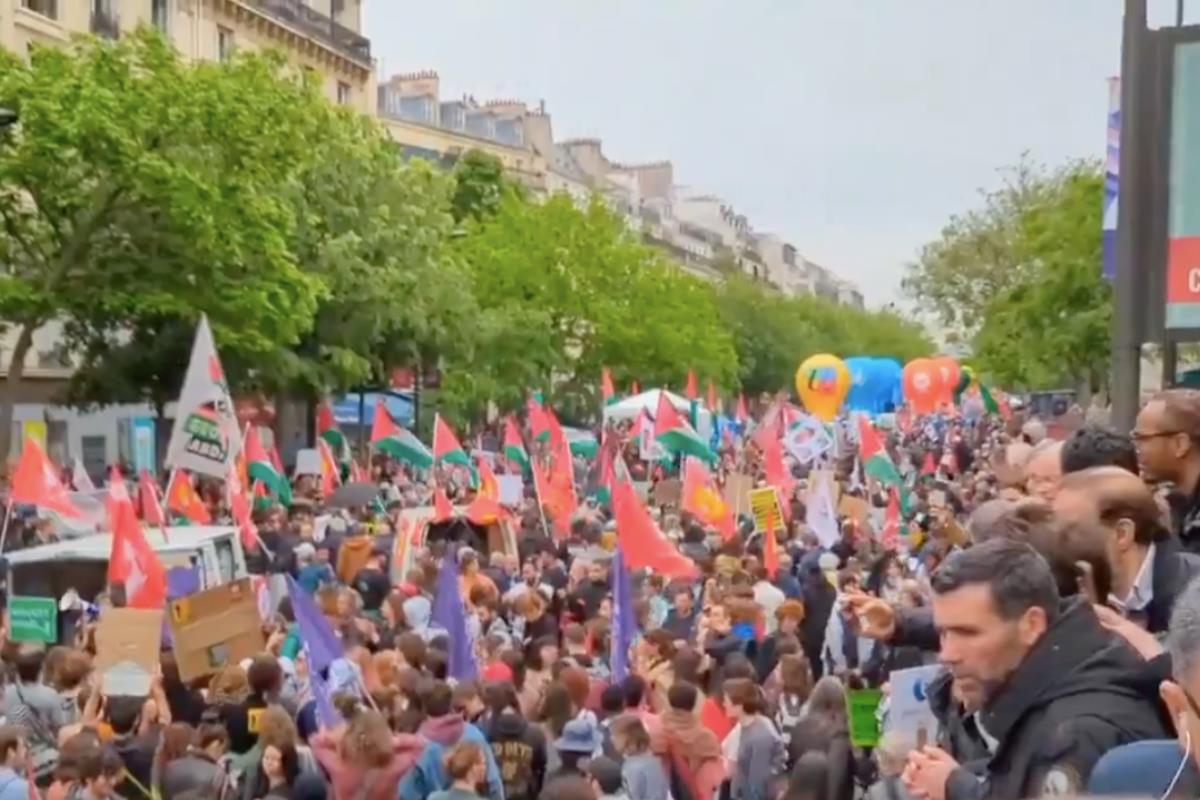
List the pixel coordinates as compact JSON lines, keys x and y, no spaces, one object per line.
{"x":351,"y":495}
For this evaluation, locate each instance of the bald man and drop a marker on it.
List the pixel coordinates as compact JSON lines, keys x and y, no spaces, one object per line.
{"x":1043,"y":470}
{"x":1149,"y":568}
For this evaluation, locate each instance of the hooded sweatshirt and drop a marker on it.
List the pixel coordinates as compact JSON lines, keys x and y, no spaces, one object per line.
{"x":694,"y":754}
{"x":429,"y":774}
{"x":350,"y":780}
{"x":520,"y":750}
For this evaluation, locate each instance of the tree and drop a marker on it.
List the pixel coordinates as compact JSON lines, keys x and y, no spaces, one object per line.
{"x":479,"y":186}
{"x":976,"y":257}
{"x":140,"y":189}
{"x":566,"y":291}
{"x":1051,"y":326}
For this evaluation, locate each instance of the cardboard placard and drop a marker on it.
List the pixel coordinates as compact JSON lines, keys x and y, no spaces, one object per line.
{"x":127,"y":646}
{"x":32,"y":619}
{"x":909,"y":707}
{"x":512,"y":490}
{"x":737,"y":493}
{"x":862,"y":706}
{"x":855,"y":508}
{"x":215,"y":627}
{"x":667,"y":492}
{"x":308,"y":462}
{"x":768,"y":514}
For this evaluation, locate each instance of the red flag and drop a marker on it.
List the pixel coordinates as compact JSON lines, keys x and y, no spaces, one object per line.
{"x":927,"y":466}
{"x":485,"y":508}
{"x":183,"y":500}
{"x":442,"y":510}
{"x":132,"y":562}
{"x":330,"y":473}
{"x":890,"y":535}
{"x":741,"y":414}
{"x":642,"y":543}
{"x":777,"y":473}
{"x":151,"y":504}
{"x":692,"y":392}
{"x":383,"y":426}
{"x":712,"y":397}
{"x":325,"y":420}
{"x":239,"y":506}
{"x":607,"y":392}
{"x":539,"y":422}
{"x":35,"y":481}
{"x":700,"y":497}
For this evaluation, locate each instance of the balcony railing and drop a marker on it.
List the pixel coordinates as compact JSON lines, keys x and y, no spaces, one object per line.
{"x":106,"y":23}
{"x":317,"y":25}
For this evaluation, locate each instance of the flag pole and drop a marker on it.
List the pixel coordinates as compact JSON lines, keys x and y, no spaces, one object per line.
{"x":7,"y":518}
{"x":537,"y":493}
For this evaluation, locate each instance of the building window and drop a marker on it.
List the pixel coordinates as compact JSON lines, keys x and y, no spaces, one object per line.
{"x":160,"y":13}
{"x":344,"y":93}
{"x":224,"y":44}
{"x":47,"y":8}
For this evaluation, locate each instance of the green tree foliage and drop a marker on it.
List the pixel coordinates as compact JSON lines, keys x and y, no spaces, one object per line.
{"x":1050,"y":327}
{"x":774,"y":333}
{"x":138,"y":187}
{"x":479,"y":186}
{"x":977,"y":255}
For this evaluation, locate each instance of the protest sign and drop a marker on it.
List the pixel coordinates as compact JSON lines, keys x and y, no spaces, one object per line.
{"x":667,"y":492}
{"x":862,"y":707}
{"x":855,"y":508}
{"x":308,"y":461}
{"x":32,"y":619}
{"x":215,"y":627}
{"x":908,"y":706}
{"x":816,"y":477}
{"x":768,"y":514}
{"x":737,"y":492}
{"x":127,"y":645}
{"x":206,"y":436}
{"x":807,"y":439}
{"x":512,"y":489}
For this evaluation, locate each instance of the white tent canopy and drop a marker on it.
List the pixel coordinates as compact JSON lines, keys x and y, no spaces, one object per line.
{"x":630,"y":407}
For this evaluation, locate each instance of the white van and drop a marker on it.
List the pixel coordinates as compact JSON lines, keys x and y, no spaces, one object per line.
{"x":49,"y":570}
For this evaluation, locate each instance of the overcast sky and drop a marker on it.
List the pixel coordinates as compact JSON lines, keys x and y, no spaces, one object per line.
{"x":852,"y":128}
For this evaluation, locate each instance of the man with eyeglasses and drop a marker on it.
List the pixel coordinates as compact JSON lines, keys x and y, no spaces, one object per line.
{"x":1167,"y":438}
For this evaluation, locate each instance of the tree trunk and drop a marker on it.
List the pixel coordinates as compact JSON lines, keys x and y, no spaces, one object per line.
{"x":12,"y":385}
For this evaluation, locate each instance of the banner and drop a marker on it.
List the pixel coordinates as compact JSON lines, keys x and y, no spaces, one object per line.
{"x":1112,"y":179}
{"x":142,"y":429}
{"x":205,"y":437}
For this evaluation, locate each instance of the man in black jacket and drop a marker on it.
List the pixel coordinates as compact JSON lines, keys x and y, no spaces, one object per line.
{"x":1167,"y":437}
{"x":1149,"y":568}
{"x":1054,"y":690}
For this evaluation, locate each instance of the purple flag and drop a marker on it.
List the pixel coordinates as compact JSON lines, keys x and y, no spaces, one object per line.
{"x":327,"y":715}
{"x":181,"y":581}
{"x":624,"y":627}
{"x":448,"y":612}
{"x":320,"y":642}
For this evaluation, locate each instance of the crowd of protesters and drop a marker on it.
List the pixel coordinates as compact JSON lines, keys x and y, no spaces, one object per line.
{"x":1051,"y":579}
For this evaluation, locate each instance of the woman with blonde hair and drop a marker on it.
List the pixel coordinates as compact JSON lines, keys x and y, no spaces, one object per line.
{"x":366,"y":761}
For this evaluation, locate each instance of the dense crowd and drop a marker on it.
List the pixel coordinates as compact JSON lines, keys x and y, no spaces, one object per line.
{"x":1051,"y":579}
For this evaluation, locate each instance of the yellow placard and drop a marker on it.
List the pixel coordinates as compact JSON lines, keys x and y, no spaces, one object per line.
{"x":34,"y":429}
{"x":768,"y":514}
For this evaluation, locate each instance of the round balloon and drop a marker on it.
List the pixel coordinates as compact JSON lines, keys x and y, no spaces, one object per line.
{"x":922,"y":385}
{"x":862,"y":380}
{"x":822,"y":382}
{"x":947,"y":373}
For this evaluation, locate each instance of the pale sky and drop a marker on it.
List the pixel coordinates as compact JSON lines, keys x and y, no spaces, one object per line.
{"x":852,"y":128}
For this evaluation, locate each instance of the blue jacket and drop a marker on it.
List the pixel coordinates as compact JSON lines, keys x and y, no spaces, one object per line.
{"x":429,"y":774}
{"x":13,"y":786}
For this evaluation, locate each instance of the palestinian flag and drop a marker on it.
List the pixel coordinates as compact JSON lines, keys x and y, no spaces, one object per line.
{"x":284,"y":494}
{"x":328,"y":430}
{"x":539,"y":420}
{"x":183,"y":500}
{"x":607,"y":392}
{"x":514,"y":446}
{"x":889,"y":537}
{"x":674,"y":433}
{"x":446,"y":446}
{"x":875,"y":460}
{"x":260,"y":467}
{"x":989,"y":401}
{"x":398,"y":442}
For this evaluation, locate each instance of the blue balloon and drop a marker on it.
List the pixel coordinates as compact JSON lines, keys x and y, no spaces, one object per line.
{"x":862,"y":369}
{"x":874,"y":384}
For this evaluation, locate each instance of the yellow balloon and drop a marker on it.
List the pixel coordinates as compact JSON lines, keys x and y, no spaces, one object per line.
{"x":822,"y":382}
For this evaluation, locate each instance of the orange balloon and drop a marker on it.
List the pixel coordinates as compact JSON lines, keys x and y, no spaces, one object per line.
{"x":922,"y":385}
{"x":948,"y":373}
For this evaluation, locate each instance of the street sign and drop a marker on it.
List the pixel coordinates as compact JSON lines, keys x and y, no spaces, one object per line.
{"x":32,"y":619}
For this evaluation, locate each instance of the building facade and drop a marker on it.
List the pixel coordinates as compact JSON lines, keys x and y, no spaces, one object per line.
{"x":322,"y":37}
